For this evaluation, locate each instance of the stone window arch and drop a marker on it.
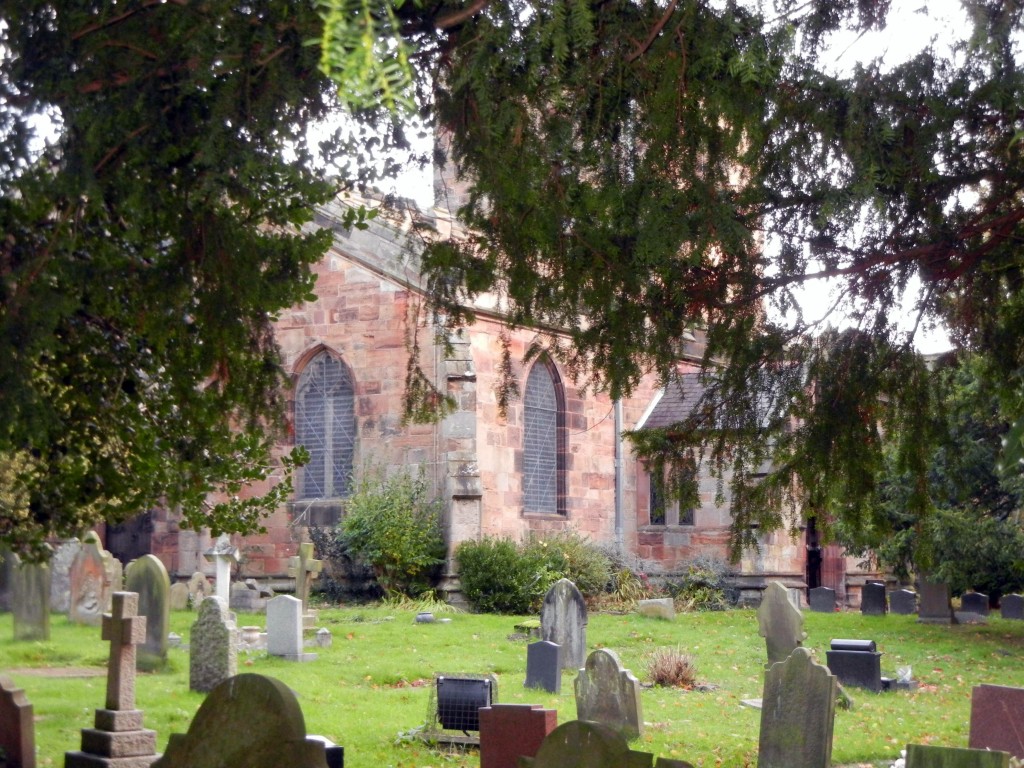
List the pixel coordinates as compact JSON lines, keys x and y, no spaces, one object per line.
{"x":325,"y":424}
{"x":544,"y":449}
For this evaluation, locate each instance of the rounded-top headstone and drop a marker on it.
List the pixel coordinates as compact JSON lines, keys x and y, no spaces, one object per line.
{"x":582,"y":744}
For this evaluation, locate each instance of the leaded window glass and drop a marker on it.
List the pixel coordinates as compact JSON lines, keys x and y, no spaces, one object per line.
{"x":325,"y":425}
{"x":543,"y":463}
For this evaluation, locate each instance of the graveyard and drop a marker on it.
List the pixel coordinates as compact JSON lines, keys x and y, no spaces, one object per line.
{"x":368,"y":690}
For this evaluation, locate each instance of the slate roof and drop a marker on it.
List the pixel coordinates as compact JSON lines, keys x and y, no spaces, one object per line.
{"x":676,"y":402}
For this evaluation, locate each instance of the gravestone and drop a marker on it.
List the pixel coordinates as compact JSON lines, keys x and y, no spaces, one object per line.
{"x":199,"y":588}
{"x":974,"y":602}
{"x":903,"y":602}
{"x":872,"y":599}
{"x":60,"y":575}
{"x":118,"y":738}
{"x":582,"y":744}
{"x":223,"y":555}
{"x":997,"y":719}
{"x":284,"y":629}
{"x":303,"y":567}
{"x":245,"y":598}
{"x":6,"y":566}
{"x":213,"y":646}
{"x":1012,"y":607}
{"x":563,"y":620}
{"x":856,"y":663}
{"x":934,"y":605}
{"x":657,"y":608}
{"x":798,"y":714}
{"x":30,"y":600}
{"x":90,"y":585}
{"x":544,"y":666}
{"x":928,"y":756}
{"x":511,"y":731}
{"x":17,"y":728}
{"x":609,"y":694}
{"x":148,"y":578}
{"x":178,"y":596}
{"x":115,"y":577}
{"x":822,"y":600}
{"x":781,"y":623}
{"x":248,"y":720}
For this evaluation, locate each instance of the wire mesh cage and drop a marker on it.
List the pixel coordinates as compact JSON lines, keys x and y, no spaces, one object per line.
{"x":453,"y":711}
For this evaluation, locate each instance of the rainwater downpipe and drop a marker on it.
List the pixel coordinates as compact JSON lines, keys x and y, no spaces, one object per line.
{"x":618,"y":477}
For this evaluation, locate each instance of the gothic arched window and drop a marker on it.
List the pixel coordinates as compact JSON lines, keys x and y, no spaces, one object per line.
{"x":543,"y":441}
{"x":325,"y":423}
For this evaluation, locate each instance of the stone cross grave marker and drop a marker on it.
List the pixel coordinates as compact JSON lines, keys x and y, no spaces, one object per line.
{"x":118,"y":738}
{"x":1012,"y":607}
{"x":147,"y":577}
{"x":781,"y":623}
{"x":213,"y":646}
{"x":563,"y":620}
{"x":903,"y":602}
{"x":90,"y":586}
{"x":222,"y":555}
{"x":797,"y":714}
{"x":822,"y":600}
{"x":248,"y":720}
{"x":509,"y":731}
{"x":873,"y":599}
{"x":997,"y":719}
{"x":17,"y":728}
{"x":304,"y":568}
{"x":930,"y":756}
{"x":935,"y":606}
{"x":30,"y":600}
{"x":544,"y":666}
{"x":609,"y":694}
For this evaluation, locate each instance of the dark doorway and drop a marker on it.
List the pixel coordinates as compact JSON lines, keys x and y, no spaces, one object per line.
{"x":813,"y":555}
{"x":132,"y":538}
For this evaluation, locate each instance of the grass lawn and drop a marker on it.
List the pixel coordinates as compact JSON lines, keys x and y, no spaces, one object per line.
{"x":372,"y":685}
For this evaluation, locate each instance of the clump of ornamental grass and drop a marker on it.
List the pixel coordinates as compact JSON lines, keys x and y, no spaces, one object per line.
{"x":671,"y":668}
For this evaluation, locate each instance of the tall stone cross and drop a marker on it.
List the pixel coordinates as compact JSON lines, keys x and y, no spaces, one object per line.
{"x":124,"y":629}
{"x":304,"y":569}
{"x":223,"y":555}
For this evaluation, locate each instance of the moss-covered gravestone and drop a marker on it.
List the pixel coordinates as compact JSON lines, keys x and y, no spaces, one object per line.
{"x":609,"y":694}
{"x":249,"y":720}
{"x":148,"y":578}
{"x":563,"y":620}
{"x":582,"y":744}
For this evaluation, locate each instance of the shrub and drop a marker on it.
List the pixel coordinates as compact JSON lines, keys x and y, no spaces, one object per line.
{"x":671,"y":668}
{"x":702,"y":587}
{"x":498,"y":577}
{"x":570,"y":556}
{"x":393,"y":525}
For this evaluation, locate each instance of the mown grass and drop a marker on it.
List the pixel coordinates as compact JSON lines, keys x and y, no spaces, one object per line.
{"x":373,"y":684}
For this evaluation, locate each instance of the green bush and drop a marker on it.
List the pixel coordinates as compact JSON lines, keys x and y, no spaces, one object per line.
{"x":702,"y":587}
{"x":392,"y":524}
{"x":501,"y":576}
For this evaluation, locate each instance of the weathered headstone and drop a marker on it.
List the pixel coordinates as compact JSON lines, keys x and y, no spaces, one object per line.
{"x":30,"y":600}
{"x":609,"y":694}
{"x":199,"y":588}
{"x":582,"y":744}
{"x":178,"y":596}
{"x":115,"y":577}
{"x":245,"y":598}
{"x":6,"y":567}
{"x":60,"y":575}
{"x":284,"y":629}
{"x":17,"y":728}
{"x":903,"y":602}
{"x":798,"y":714}
{"x":934,"y":606}
{"x":223,"y":555}
{"x":303,"y":567}
{"x":249,"y":720}
{"x":928,"y":756}
{"x":657,"y":608}
{"x":822,"y":600}
{"x":997,"y":719}
{"x":563,"y":620}
{"x":872,"y":599}
{"x":511,"y":731}
{"x":781,"y":623}
{"x":147,"y":577}
{"x":90,"y":585}
{"x":213,"y":646}
{"x":856,"y":663}
{"x":118,"y":739}
{"x":544,"y":666}
{"x":1012,"y":607}
{"x":974,"y":602}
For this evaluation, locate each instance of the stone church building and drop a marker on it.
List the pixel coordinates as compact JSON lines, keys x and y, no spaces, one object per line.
{"x":555,"y":461}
